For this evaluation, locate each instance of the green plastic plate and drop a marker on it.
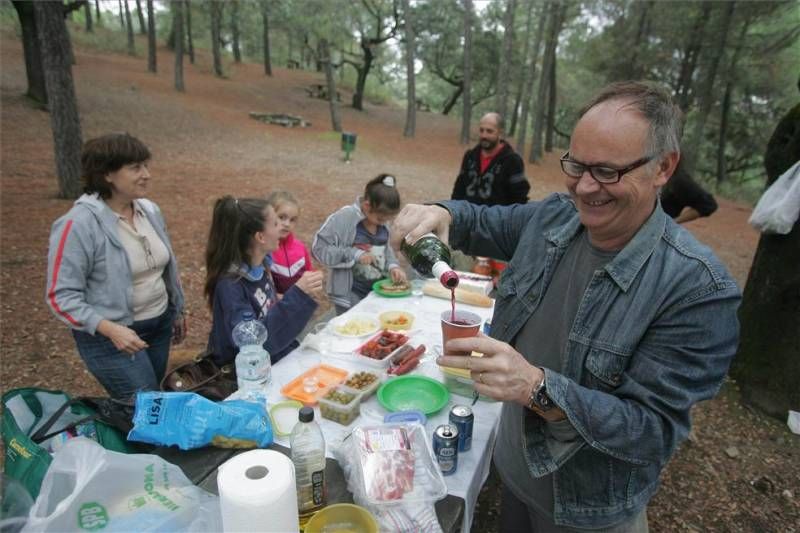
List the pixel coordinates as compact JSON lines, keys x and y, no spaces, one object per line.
{"x":378,"y":288}
{"x":422,"y":393}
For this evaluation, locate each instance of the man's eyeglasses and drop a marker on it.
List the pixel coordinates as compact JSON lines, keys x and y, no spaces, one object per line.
{"x":600,"y":173}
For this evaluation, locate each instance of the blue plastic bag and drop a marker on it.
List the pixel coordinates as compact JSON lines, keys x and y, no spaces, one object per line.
{"x":190,"y":421}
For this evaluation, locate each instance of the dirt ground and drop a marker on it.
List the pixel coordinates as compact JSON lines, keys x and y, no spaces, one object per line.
{"x":205,"y":145}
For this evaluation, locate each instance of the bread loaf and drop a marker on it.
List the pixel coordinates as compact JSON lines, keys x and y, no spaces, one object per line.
{"x":435,"y":289}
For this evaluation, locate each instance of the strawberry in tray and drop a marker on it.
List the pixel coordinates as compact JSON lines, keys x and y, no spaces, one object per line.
{"x":383,"y":344}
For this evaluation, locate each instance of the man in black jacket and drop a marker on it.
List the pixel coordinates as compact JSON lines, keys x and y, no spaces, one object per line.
{"x":684,"y":199}
{"x":492,"y":172}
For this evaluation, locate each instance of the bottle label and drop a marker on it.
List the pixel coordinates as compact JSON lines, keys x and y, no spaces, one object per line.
{"x":318,"y":487}
{"x":445,"y":274}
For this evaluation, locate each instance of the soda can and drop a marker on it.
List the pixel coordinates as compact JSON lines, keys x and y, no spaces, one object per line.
{"x":487,"y":327}
{"x":462,"y":418}
{"x":445,"y":448}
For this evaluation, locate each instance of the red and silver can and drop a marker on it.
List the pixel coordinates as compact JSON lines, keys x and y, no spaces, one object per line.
{"x":461,"y":417}
{"x":445,"y":448}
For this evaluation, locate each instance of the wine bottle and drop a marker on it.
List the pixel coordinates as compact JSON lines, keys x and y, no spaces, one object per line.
{"x":431,"y":257}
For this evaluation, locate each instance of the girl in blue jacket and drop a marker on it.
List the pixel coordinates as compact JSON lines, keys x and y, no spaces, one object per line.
{"x":244,"y":232}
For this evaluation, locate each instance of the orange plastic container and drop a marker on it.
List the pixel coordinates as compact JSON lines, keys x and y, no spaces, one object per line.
{"x":325,"y":377}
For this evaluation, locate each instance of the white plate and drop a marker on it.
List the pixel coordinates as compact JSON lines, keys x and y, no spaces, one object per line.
{"x":370,"y":322}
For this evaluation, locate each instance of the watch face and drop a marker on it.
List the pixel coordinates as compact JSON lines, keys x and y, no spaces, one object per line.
{"x":542,"y":400}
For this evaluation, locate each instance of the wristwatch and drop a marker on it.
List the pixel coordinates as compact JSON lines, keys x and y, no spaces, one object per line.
{"x":539,"y":400}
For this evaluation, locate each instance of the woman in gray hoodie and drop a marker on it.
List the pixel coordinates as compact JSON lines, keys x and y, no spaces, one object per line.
{"x":112,"y":276}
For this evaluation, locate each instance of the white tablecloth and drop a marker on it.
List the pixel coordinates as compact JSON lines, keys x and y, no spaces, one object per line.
{"x":473,"y":466}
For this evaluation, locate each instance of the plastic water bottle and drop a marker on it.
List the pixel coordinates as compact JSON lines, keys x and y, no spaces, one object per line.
{"x":308,"y":455}
{"x":253,"y":366}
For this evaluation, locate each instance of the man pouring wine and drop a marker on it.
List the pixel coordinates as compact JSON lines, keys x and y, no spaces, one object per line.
{"x":611,"y":321}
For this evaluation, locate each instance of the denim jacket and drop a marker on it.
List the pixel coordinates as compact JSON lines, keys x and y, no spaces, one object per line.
{"x":654,"y":334}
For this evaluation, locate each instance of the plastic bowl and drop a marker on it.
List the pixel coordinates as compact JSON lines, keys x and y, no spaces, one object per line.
{"x":419,"y":393}
{"x":396,"y":320}
{"x":342,"y":517}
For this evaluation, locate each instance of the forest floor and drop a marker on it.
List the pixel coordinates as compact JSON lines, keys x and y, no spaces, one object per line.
{"x":740,"y":470}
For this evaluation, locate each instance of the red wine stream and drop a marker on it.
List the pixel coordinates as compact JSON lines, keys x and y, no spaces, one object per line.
{"x":453,"y":304}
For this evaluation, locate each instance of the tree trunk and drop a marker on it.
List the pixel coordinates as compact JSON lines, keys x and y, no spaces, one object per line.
{"x":450,"y":103}
{"x":121,"y":15}
{"x":730,"y":77}
{"x":87,"y":14}
{"x":521,"y":78}
{"x":723,"y":132}
{"x":503,"y":74}
{"x":129,"y":25}
{"x":319,"y":55}
{"x":551,"y":108}
{"x":64,"y":119}
{"x":265,"y":21}
{"x":140,"y":15}
{"x":467,"y":97}
{"x":544,"y":84}
{"x":683,"y":89}
{"x":177,"y":18}
{"x":216,"y":24}
{"x":30,"y":46}
{"x":363,"y":72}
{"x":237,"y":52}
{"x":189,"y":40}
{"x":151,"y":37}
{"x":695,"y":139}
{"x":411,"y":89}
{"x":634,"y":70}
{"x":97,"y":11}
{"x":333,"y":102}
{"x":530,"y":78}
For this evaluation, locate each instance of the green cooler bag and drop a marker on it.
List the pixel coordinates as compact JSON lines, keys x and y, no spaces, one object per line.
{"x":36,"y":422}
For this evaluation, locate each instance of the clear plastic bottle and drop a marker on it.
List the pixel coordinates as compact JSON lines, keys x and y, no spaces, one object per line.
{"x":308,"y":455}
{"x":431,"y":257}
{"x":253,"y":366}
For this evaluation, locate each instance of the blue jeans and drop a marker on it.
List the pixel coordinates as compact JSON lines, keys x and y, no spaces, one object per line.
{"x":121,"y":374}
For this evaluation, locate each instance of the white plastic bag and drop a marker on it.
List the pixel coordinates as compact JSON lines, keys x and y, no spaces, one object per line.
{"x":90,"y":488}
{"x":778,"y":208}
{"x":392,"y":472}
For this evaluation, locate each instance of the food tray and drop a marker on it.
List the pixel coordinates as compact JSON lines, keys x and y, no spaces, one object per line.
{"x":327,"y":377}
{"x":367,"y":391}
{"x":338,"y":412}
{"x":384,"y":362}
{"x":394,"y":463}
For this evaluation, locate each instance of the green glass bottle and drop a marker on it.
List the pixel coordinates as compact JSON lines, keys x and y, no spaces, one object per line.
{"x":431,"y":257}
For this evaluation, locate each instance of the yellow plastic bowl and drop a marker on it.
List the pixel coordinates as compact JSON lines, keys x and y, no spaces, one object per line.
{"x":342,"y":517}
{"x":396,"y":320}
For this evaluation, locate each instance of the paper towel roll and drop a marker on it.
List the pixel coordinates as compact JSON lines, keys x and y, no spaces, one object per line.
{"x":257,"y":493}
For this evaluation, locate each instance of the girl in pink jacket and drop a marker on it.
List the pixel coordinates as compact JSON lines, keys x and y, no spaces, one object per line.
{"x":291,"y":258}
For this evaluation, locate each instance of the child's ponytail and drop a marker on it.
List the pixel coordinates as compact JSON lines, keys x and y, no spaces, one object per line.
{"x":381,"y":193}
{"x":233,"y":224}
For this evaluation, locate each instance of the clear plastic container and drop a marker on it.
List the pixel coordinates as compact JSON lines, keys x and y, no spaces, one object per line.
{"x":383,"y":362}
{"x":357,"y":383}
{"x":342,"y":413}
{"x":394,"y":464}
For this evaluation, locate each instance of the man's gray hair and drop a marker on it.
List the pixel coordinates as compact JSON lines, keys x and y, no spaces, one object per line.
{"x":499,"y":120}
{"x":655,"y":104}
